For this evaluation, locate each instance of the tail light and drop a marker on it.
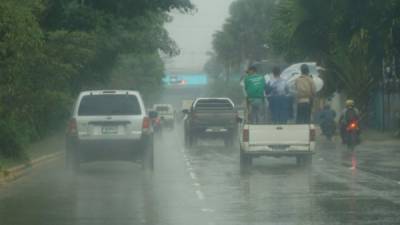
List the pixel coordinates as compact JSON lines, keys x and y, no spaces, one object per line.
{"x":246,"y":135}
{"x":146,"y":123}
{"x":312,"y":134}
{"x":352,"y":126}
{"x":72,"y":127}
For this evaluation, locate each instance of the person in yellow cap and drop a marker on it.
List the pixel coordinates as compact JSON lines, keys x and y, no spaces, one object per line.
{"x":349,"y":114}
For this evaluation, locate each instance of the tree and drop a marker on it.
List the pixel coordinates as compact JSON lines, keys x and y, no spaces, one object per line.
{"x":349,"y":38}
{"x":244,"y":34}
{"x":51,"y":50}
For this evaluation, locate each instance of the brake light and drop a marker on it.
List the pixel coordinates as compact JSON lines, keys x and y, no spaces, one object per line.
{"x":312,"y":134}
{"x":246,"y":135}
{"x":146,"y":123}
{"x":72,"y":127}
{"x":352,"y":126}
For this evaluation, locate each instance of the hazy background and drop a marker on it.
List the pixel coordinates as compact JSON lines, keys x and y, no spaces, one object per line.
{"x":193,"y":34}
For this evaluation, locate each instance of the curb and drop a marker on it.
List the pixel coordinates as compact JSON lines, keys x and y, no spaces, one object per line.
{"x":17,"y":172}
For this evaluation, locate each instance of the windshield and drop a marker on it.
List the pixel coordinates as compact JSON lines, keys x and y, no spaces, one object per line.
{"x":109,"y":105}
{"x":162,"y":108}
{"x":199,"y":112}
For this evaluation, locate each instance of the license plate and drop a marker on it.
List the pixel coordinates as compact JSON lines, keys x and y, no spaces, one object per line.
{"x":279,"y":147}
{"x":216,"y":129}
{"x":109,"y":130}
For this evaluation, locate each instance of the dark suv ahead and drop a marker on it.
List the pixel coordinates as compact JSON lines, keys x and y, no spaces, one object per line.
{"x":211,"y":118}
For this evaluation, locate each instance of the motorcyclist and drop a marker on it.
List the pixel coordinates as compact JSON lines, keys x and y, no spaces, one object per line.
{"x":327,"y":121}
{"x":349,"y":114}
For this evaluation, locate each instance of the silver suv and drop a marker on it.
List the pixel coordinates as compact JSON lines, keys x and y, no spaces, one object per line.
{"x":109,"y":125}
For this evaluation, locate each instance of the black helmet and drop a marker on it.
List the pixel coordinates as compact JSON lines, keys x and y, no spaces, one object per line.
{"x":304,"y":69}
{"x":252,"y":68}
{"x":276,"y":71}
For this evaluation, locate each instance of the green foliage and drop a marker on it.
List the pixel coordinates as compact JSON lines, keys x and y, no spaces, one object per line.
{"x":349,"y":38}
{"x":52,"y":49}
{"x":141,"y":72}
{"x":233,"y":90}
{"x":245,"y":32}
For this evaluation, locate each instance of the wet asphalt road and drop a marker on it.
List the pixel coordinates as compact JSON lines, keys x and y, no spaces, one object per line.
{"x":204,"y":186}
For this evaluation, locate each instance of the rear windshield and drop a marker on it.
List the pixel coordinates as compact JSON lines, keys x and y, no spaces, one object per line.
{"x":209,"y":104}
{"x":106,"y":105}
{"x":162,"y":108}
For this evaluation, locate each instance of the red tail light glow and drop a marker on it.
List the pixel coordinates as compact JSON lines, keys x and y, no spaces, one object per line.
{"x":352,"y":126}
{"x":146,"y":123}
{"x":72,"y":127}
{"x":312,"y":135}
{"x":246,"y":135}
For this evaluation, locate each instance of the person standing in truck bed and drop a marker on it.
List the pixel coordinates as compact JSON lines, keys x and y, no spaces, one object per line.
{"x":277,"y":91}
{"x":305,"y":93}
{"x":254,"y":86}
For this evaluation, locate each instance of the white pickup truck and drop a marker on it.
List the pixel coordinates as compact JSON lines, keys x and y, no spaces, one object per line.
{"x":292,"y":140}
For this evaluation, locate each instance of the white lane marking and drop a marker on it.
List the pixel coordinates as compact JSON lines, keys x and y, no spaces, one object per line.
{"x":188,"y":164}
{"x":193,"y":176}
{"x":200,"y":194}
{"x":398,"y":182}
{"x":196,"y":184}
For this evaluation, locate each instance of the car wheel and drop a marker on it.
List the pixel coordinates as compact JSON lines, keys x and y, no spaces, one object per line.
{"x":187,"y":140}
{"x":304,"y":160}
{"x":230,"y":139}
{"x":245,"y":159}
{"x":148,"y":154}
{"x":72,"y":158}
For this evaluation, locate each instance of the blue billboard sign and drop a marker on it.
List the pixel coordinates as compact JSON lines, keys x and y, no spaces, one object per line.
{"x":185,"y":79}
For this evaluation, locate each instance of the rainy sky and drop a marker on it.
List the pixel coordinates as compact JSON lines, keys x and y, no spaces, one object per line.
{"x":193,"y":33}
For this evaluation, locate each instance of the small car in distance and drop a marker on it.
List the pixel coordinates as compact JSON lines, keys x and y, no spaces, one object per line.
{"x":166,"y":113}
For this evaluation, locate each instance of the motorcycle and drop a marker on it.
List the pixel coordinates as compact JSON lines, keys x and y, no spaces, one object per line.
{"x":352,"y":134}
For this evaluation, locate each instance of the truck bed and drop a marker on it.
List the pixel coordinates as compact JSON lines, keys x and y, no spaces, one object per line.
{"x":288,"y":139}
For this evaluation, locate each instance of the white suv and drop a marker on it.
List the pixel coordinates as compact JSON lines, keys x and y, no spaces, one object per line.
{"x":109,"y":125}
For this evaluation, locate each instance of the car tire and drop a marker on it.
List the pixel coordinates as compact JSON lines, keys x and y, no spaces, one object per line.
{"x":245,"y":159}
{"x":148,"y":154}
{"x":72,"y":158}
{"x":230,"y":138}
{"x":187,"y":140}
{"x":304,"y":160}
{"x":228,"y":142}
{"x":191,"y":139}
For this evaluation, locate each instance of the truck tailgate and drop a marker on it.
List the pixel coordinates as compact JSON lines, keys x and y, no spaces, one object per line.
{"x":293,"y":134}
{"x":215,"y":118}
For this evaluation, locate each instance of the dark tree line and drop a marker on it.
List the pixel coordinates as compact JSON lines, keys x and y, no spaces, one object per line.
{"x":52,"y":49}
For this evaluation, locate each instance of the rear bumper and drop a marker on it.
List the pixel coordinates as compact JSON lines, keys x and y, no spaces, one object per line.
{"x":267,"y":151}
{"x":122,"y":149}
{"x":278,"y":153}
{"x":210,"y":127}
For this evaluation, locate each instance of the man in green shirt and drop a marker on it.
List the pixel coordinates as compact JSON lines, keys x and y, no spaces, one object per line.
{"x":254,"y":86}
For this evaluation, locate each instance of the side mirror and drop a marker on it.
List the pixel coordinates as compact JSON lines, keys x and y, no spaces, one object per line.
{"x":153,"y":114}
{"x":185,"y":111}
